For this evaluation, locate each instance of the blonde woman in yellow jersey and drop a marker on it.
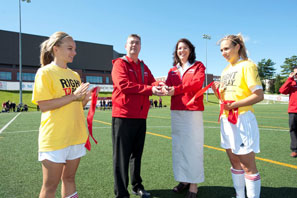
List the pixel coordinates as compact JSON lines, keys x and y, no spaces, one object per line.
{"x":61,"y":97}
{"x":240,"y":87}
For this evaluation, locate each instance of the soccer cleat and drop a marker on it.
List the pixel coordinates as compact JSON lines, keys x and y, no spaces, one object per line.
{"x":142,"y":193}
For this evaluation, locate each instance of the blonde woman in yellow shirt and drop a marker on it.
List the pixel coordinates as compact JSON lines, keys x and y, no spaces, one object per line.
{"x":61,"y":97}
{"x":240,"y":87}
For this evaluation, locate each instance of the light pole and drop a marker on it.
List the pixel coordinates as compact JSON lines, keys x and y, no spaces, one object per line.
{"x":20,"y":50}
{"x":206,"y":37}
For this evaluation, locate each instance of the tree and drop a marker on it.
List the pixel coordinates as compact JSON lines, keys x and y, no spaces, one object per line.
{"x":266,"y":69}
{"x":288,"y":65}
{"x":272,"y":87}
{"x":278,"y":83}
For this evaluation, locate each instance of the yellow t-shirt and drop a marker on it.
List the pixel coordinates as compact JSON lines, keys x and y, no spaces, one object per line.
{"x":238,"y":81}
{"x":65,"y":126}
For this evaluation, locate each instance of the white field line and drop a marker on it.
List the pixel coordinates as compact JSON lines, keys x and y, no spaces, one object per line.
{"x":208,"y":127}
{"x":8,"y":132}
{"x":211,"y":127}
{"x":3,"y":128}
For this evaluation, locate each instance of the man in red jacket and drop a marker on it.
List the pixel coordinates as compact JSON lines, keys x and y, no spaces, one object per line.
{"x":290,"y":87}
{"x":133,"y":83}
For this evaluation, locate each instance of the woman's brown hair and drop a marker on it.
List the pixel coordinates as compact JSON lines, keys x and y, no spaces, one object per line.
{"x":192,"y":56}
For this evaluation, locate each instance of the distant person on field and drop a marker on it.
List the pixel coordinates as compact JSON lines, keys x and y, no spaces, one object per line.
{"x":240,"y":87}
{"x":25,"y":108}
{"x":133,"y":83}
{"x":104,"y":105}
{"x":109,"y":104}
{"x":160,"y":102}
{"x":156,"y":103}
{"x":61,"y":96}
{"x":19,"y":107}
{"x":13,"y":106}
{"x":152,"y":103}
{"x":7,"y":106}
{"x":184,"y":79}
{"x":3,"y":106}
{"x":290,"y":87}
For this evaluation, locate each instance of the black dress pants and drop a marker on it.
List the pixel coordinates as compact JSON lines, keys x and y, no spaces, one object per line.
{"x":128,"y":136}
{"x":293,"y":130}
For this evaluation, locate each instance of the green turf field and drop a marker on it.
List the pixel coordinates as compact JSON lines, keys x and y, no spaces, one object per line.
{"x":20,"y":172}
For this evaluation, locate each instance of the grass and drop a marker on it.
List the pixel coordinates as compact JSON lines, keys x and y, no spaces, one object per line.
{"x":21,"y":177}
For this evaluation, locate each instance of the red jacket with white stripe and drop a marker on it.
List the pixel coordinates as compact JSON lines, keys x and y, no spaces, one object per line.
{"x":130,"y":96}
{"x":186,"y":87}
{"x":290,"y":87}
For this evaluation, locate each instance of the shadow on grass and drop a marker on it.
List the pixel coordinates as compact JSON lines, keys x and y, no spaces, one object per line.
{"x":223,"y":192}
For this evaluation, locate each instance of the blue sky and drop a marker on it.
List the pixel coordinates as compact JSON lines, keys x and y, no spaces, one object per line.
{"x":269,"y":26}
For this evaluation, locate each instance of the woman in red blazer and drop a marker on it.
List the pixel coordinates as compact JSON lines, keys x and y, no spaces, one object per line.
{"x":184,"y":79}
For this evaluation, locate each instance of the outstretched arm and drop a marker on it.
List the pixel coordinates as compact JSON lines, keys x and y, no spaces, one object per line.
{"x":214,"y":87}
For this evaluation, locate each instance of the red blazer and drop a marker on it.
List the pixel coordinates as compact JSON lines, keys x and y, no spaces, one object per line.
{"x":290,"y":87}
{"x":186,"y":87}
{"x":130,"y":96}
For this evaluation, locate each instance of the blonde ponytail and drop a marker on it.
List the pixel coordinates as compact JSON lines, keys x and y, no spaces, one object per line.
{"x":46,"y":48}
{"x":242,"y":51}
{"x":46,"y":56}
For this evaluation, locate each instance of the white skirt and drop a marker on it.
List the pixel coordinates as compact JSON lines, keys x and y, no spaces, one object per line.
{"x":187,"y":146}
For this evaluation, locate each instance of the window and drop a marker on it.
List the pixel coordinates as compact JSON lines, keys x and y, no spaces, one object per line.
{"x":107,"y":80}
{"x":94,"y":79}
{"x":5,"y":75}
{"x":26,"y":76}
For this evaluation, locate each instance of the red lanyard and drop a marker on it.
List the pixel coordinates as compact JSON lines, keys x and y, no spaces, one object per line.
{"x":90,"y":118}
{"x":233,"y":113}
{"x":199,"y":93}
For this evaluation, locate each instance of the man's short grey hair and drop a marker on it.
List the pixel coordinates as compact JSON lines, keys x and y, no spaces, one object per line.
{"x":134,"y":35}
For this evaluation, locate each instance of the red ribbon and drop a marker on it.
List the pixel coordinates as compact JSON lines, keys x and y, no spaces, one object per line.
{"x":233,"y":113}
{"x":199,"y":93}
{"x":90,"y":118}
